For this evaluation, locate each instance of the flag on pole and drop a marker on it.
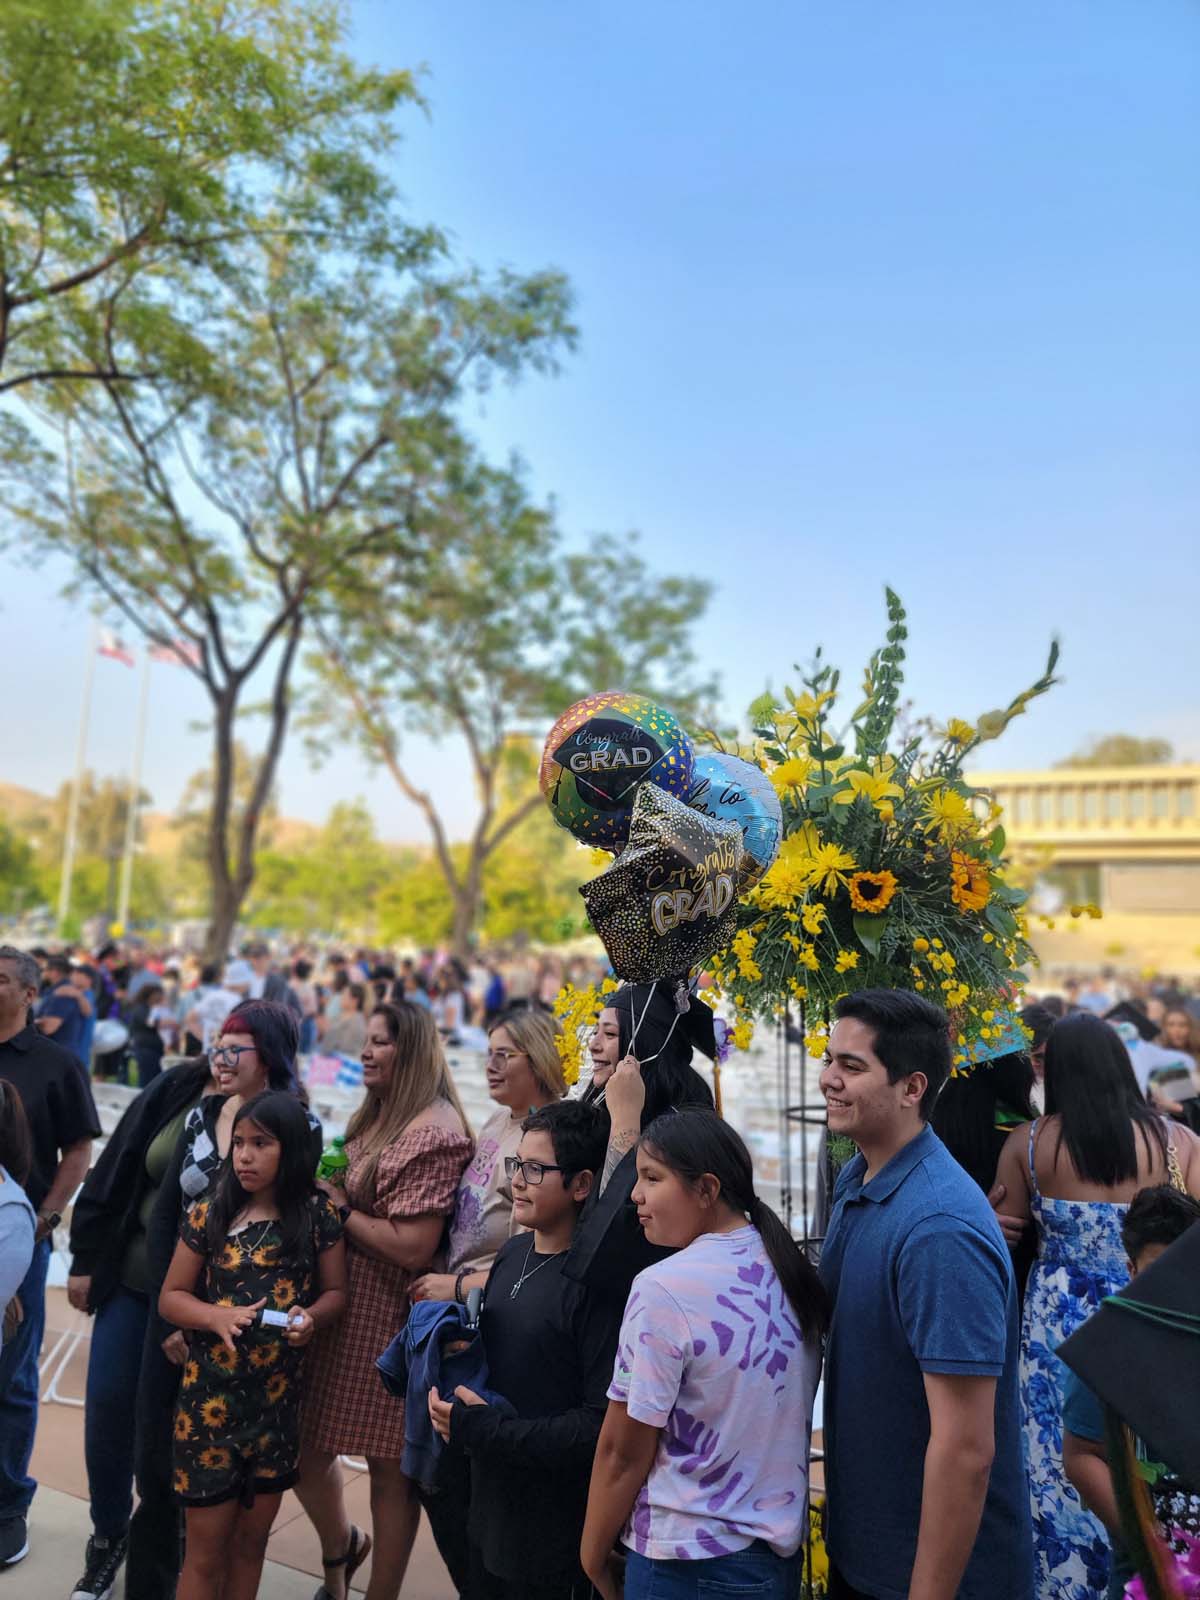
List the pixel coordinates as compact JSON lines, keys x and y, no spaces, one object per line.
{"x":115,"y":648}
{"x":179,"y":653}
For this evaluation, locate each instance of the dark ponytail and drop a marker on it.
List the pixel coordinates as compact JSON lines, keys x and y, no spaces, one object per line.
{"x":693,"y":1143}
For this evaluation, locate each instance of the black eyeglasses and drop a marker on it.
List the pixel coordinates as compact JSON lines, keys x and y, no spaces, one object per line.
{"x":229,"y":1054}
{"x":531,"y":1171}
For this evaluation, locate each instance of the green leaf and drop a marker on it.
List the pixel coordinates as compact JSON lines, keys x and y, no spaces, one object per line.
{"x":833,"y":752}
{"x":997,"y":840}
{"x":1000,"y":920}
{"x":868,"y":930}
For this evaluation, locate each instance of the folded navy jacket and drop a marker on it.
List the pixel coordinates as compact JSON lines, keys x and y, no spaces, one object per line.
{"x":416,"y":1361}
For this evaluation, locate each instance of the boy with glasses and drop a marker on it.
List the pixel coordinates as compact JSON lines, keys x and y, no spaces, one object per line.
{"x":550,"y":1344}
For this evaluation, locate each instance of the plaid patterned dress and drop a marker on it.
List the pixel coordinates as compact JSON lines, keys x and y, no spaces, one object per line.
{"x":347,"y":1411}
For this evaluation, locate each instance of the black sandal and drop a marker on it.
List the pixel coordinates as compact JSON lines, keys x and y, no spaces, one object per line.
{"x":360,"y":1549}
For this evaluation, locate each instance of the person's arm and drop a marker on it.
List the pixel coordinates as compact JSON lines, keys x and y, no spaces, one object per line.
{"x":83,"y":1000}
{"x":73,"y":1164}
{"x":329,"y":1305}
{"x":179,"y":1303}
{"x":624,"y":1456}
{"x":958,"y":1463}
{"x":625,"y":1099}
{"x":441,"y":1285}
{"x":416,"y":1183}
{"x":48,"y":1023}
{"x":1085,"y":1462}
{"x":408,"y":1242}
{"x":1009,"y":1197}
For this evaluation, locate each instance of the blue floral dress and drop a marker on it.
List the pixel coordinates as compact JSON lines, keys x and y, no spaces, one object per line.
{"x":1080,"y":1260}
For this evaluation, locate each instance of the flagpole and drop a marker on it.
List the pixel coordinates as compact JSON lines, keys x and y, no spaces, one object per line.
{"x":85,"y":713}
{"x":135,"y":789}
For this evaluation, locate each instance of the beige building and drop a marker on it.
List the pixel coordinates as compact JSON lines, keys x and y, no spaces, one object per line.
{"x":1127,"y":838}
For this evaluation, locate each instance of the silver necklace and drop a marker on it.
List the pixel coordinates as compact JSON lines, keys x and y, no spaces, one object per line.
{"x":527,"y":1274}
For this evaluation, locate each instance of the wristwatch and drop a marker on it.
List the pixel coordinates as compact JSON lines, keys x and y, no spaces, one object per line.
{"x":51,"y":1219}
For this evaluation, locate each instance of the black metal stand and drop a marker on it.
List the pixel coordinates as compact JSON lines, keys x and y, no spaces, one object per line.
{"x":796,"y":1109}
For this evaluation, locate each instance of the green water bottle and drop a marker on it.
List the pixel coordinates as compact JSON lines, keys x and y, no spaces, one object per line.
{"x":334,"y":1162}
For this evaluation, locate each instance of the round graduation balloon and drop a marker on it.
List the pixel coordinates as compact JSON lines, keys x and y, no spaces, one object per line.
{"x":736,"y":790}
{"x":598,"y":755}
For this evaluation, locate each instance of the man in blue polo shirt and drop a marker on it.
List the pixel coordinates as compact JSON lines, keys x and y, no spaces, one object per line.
{"x":924,"y":1475}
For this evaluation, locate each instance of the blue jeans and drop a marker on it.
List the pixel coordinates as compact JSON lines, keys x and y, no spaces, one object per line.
{"x":118,"y":1334}
{"x":755,"y":1573}
{"x":19,"y":1390}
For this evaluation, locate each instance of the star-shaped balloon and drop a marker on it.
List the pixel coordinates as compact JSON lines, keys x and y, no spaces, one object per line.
{"x":669,"y":899}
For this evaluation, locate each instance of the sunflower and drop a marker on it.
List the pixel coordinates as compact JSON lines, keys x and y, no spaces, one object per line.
{"x":216,"y":1457}
{"x":183,"y":1425}
{"x":231,"y":1256}
{"x":284,"y":1293}
{"x":223,"y":1357}
{"x":182,"y":1481}
{"x":277,"y":1387}
{"x":969,"y":887}
{"x":264,"y":1256}
{"x":264,"y":1355}
{"x":214,"y":1413}
{"x":191,"y":1374}
{"x":872,"y":891}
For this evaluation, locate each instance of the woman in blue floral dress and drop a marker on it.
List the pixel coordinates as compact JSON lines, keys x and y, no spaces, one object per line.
{"x":1072,"y":1174}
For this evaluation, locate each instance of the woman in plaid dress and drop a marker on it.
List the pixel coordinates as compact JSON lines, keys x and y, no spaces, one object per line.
{"x":407,"y":1144}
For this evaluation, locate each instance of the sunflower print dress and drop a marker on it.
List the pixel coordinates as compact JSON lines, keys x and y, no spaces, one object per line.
{"x":237,"y":1425}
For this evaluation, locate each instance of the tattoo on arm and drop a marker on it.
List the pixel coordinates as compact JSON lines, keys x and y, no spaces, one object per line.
{"x":618,"y":1146}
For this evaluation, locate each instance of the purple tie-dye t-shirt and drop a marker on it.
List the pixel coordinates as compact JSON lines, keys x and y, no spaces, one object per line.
{"x":710,"y":1352}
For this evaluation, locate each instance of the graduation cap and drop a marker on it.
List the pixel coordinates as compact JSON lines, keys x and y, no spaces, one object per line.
{"x":1140,"y":1353}
{"x":1126,"y":1011}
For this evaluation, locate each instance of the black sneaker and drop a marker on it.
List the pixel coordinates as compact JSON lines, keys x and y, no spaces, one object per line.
{"x":14,"y":1541}
{"x":104,"y":1558}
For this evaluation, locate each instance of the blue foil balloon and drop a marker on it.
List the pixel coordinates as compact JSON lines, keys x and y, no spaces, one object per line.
{"x":736,"y":791}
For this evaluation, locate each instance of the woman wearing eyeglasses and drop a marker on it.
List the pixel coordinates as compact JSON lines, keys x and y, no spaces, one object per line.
{"x":524,"y":1073}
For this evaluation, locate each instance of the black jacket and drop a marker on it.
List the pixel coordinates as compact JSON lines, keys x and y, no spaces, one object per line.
{"x":112,"y":1192}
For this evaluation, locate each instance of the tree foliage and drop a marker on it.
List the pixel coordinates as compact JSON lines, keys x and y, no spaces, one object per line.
{"x":1121,"y":750}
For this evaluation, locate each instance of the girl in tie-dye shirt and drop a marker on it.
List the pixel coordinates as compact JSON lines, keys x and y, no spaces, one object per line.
{"x":702,"y":1465}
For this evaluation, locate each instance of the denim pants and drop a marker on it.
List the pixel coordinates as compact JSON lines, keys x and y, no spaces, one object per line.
{"x":755,"y":1573}
{"x":19,"y":1390}
{"x":118,"y":1333}
{"x":156,"y":1529}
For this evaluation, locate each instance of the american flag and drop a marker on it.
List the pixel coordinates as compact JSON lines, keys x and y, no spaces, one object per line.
{"x":113,"y":647}
{"x":179,"y":653}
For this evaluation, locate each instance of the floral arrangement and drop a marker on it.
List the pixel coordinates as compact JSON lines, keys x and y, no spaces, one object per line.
{"x":577,"y":1011}
{"x":892,"y":869}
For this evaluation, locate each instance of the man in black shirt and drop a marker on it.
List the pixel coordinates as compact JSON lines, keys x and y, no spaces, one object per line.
{"x":62,"y":1124}
{"x":549,"y":1343}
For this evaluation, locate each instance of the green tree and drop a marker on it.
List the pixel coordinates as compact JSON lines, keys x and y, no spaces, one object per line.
{"x":20,"y":880}
{"x":499,"y":633}
{"x":307,"y":466}
{"x":329,"y":884}
{"x":138,"y":140}
{"x":1121,"y":750}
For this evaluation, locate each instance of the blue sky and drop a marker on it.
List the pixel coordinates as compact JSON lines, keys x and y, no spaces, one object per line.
{"x":868,"y":294}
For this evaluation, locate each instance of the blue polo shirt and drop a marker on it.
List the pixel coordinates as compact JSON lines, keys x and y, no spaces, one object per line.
{"x":921,"y":1281}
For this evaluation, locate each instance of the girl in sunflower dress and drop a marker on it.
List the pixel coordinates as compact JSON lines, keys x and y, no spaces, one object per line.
{"x":266,"y":1243}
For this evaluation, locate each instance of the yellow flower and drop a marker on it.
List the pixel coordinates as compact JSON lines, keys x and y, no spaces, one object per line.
{"x":216,"y":1457}
{"x":816,"y":1043}
{"x":221,"y":1356}
{"x":969,"y":888}
{"x":214,"y":1413}
{"x":873,"y":786}
{"x":827,"y":868}
{"x":600,"y":858}
{"x":807,"y":707}
{"x":782,"y":883}
{"x":808,"y":958}
{"x":792,"y":774}
{"x":846,"y":961}
{"x":813,"y":917}
{"x":959,"y":732}
{"x":742,"y":943}
{"x":182,"y":1481}
{"x":749,"y":969}
{"x":920,"y":946}
{"x":801,"y":843}
{"x":948,"y":814}
{"x":284,"y":1293}
{"x":743,"y":1032}
{"x":183,"y":1425}
{"x":277,"y":1387}
{"x":264,"y":1355}
{"x":609,"y":986}
{"x":872,"y":891}
{"x":191,"y":1374}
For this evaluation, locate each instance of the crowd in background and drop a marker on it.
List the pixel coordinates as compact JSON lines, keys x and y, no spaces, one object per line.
{"x":593,"y":1429}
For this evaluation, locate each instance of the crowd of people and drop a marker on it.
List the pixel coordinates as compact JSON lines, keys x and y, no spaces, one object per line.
{"x":577,"y":1338}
